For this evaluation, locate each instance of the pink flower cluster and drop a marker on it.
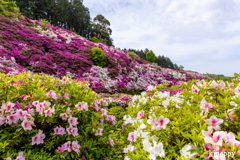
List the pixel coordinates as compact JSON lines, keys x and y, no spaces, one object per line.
{"x":110,"y":118}
{"x":73,"y":122}
{"x":11,"y":115}
{"x":59,"y":131}
{"x":44,"y":107}
{"x":67,"y":146}
{"x":159,"y":123}
{"x":82,"y":106}
{"x":38,"y":139}
{"x":205,"y":106}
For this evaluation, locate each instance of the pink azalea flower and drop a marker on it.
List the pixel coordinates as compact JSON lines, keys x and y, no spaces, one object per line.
{"x":237,"y":90}
{"x":208,"y":147}
{"x":68,"y":146}
{"x":103,"y":111}
{"x":49,"y":112}
{"x":229,"y":139}
{"x":64,"y":116}
{"x":207,"y":133}
{"x":231,"y":116}
{"x":195,"y":89}
{"x":35,"y":103}
{"x":8,"y":158}
{"x":68,"y":111}
{"x":21,"y":113}
{"x":38,"y":139}
{"x":20,"y":82}
{"x":8,"y":107}
{"x":13,"y":118}
{"x":96,"y":107}
{"x":62,"y":148}
{"x":46,"y":103}
{"x":216,"y":140}
{"x":66,"y":96}
{"x":221,"y":84}
{"x":20,"y":156}
{"x":2,"y":119}
{"x":27,"y":125}
{"x":52,"y":94}
{"x":111,"y":142}
{"x":81,"y":106}
{"x":205,"y":106}
{"x":214,"y":122}
{"x":99,"y":132}
{"x":76,"y":147}
{"x":131,"y":136}
{"x":162,"y":122}
{"x":73,"y":121}
{"x":140,"y":114}
{"x":59,"y":130}
{"x":73,"y":131}
{"x":64,"y":80}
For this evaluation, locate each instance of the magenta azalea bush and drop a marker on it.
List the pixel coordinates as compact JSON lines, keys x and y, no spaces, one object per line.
{"x":42,"y":48}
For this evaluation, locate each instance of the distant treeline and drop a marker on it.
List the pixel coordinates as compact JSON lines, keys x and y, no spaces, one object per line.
{"x":219,"y":77}
{"x":160,"y":60}
{"x":68,"y":14}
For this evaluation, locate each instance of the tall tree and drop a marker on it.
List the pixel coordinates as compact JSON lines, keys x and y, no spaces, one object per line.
{"x":101,"y":29}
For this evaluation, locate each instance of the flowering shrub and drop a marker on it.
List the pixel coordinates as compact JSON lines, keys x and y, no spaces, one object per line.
{"x":40,"y":47}
{"x":42,"y":117}
{"x":197,"y":119}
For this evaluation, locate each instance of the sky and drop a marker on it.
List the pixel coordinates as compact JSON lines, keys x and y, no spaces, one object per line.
{"x":201,"y":35}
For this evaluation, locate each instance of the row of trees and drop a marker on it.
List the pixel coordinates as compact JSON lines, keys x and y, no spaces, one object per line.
{"x":160,"y":60}
{"x":68,"y":14}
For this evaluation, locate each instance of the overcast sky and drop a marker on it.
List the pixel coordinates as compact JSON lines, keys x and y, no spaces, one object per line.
{"x":201,"y":35}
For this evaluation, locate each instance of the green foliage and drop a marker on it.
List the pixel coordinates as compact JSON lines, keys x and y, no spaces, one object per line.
{"x":45,"y":23}
{"x":219,"y":77}
{"x":98,"y":56}
{"x":150,"y":56}
{"x":9,"y":9}
{"x":162,"y":61}
{"x":95,"y":39}
{"x":132,"y":55}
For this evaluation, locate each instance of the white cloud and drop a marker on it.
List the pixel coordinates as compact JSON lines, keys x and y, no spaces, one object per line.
{"x":201,"y":35}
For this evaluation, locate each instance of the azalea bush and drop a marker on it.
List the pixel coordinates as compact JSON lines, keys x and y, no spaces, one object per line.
{"x":42,"y":117}
{"x":197,"y":119}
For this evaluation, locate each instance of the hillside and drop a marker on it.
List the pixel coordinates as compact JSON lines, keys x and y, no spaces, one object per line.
{"x":40,"y":47}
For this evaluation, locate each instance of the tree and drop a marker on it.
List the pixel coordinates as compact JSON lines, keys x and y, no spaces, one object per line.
{"x":101,"y":29}
{"x":150,"y":56}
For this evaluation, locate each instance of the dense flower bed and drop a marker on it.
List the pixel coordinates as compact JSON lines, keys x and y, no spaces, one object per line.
{"x":46,"y":118}
{"x":40,"y":47}
{"x":197,"y":119}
